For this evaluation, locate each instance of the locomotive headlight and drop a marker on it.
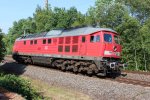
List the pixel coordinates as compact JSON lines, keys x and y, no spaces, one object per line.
{"x":111,"y":53}
{"x":112,"y":65}
{"x":117,"y":53}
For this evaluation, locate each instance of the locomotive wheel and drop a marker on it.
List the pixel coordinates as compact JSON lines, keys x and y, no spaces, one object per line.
{"x":75,"y":69}
{"x":102,"y":73}
{"x":89,"y":71}
{"x":53,"y":64}
{"x":80,"y":69}
{"x":63,"y":67}
{"x":94,"y":68}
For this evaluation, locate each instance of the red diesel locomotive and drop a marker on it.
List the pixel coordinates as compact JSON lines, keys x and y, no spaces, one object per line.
{"x":86,"y":49}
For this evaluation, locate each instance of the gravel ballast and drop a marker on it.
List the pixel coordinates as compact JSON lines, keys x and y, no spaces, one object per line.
{"x":96,"y":88}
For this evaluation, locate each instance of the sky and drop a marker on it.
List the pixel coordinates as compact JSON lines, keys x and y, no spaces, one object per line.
{"x":13,"y":10}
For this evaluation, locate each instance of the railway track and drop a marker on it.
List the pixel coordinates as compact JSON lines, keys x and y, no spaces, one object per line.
{"x":132,"y":81}
{"x":118,"y":79}
{"x":136,"y":72}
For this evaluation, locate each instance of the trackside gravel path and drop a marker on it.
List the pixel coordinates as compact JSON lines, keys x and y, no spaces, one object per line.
{"x":97,"y":89}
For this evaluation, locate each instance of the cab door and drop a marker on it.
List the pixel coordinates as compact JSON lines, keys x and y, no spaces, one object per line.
{"x":83,"y":46}
{"x":94,"y":45}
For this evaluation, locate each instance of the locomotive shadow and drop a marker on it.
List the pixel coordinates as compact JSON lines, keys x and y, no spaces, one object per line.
{"x":113,"y":76}
{"x":13,"y":68}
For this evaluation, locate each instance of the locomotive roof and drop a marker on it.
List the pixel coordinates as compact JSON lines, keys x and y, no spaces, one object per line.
{"x":67,"y":32}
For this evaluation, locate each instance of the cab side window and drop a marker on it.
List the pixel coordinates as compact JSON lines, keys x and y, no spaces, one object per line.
{"x":24,"y":42}
{"x":31,"y":42}
{"x":83,"y":39}
{"x":49,"y":41}
{"x":44,"y":41}
{"x":92,"y":39}
{"x":35,"y":41}
{"x":95,"y":38}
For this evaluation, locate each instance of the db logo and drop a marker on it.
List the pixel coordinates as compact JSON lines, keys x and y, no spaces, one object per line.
{"x":46,"y":48}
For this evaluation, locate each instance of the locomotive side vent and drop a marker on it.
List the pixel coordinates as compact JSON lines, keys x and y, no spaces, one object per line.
{"x":75,"y":39}
{"x":67,"y":48}
{"x":75,"y":48}
{"x":60,"y":48}
{"x":61,"y":40}
{"x":68,"y":40}
{"x":54,"y":40}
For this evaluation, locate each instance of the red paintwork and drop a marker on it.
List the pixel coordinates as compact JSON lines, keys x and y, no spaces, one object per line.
{"x":88,"y":48}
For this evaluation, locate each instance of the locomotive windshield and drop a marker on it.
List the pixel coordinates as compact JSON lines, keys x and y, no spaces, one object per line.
{"x":107,"y":37}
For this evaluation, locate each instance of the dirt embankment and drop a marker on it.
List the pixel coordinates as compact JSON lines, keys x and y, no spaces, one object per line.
{"x":7,"y":95}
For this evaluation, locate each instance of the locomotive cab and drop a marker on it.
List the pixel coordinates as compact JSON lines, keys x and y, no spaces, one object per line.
{"x":112,"y":52}
{"x":112,"y":47}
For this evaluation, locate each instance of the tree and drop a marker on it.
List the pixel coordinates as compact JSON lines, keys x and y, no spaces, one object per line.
{"x":145,"y":44}
{"x":2,"y":46}
{"x":91,"y":18}
{"x":42,"y":19}
{"x":138,"y":9}
{"x":129,"y":32}
{"x":110,"y":13}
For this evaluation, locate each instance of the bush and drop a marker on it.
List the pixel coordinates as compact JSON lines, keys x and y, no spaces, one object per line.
{"x":19,"y":85}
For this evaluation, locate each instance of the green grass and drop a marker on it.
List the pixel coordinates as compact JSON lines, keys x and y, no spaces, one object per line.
{"x":56,"y":92}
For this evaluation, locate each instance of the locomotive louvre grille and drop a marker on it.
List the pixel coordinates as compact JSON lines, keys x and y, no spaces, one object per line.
{"x":55,"y":40}
{"x":60,"y":48}
{"x":75,"y":48}
{"x":61,"y":40}
{"x":67,"y":40}
{"x":67,"y":48}
{"x":75,"y":39}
